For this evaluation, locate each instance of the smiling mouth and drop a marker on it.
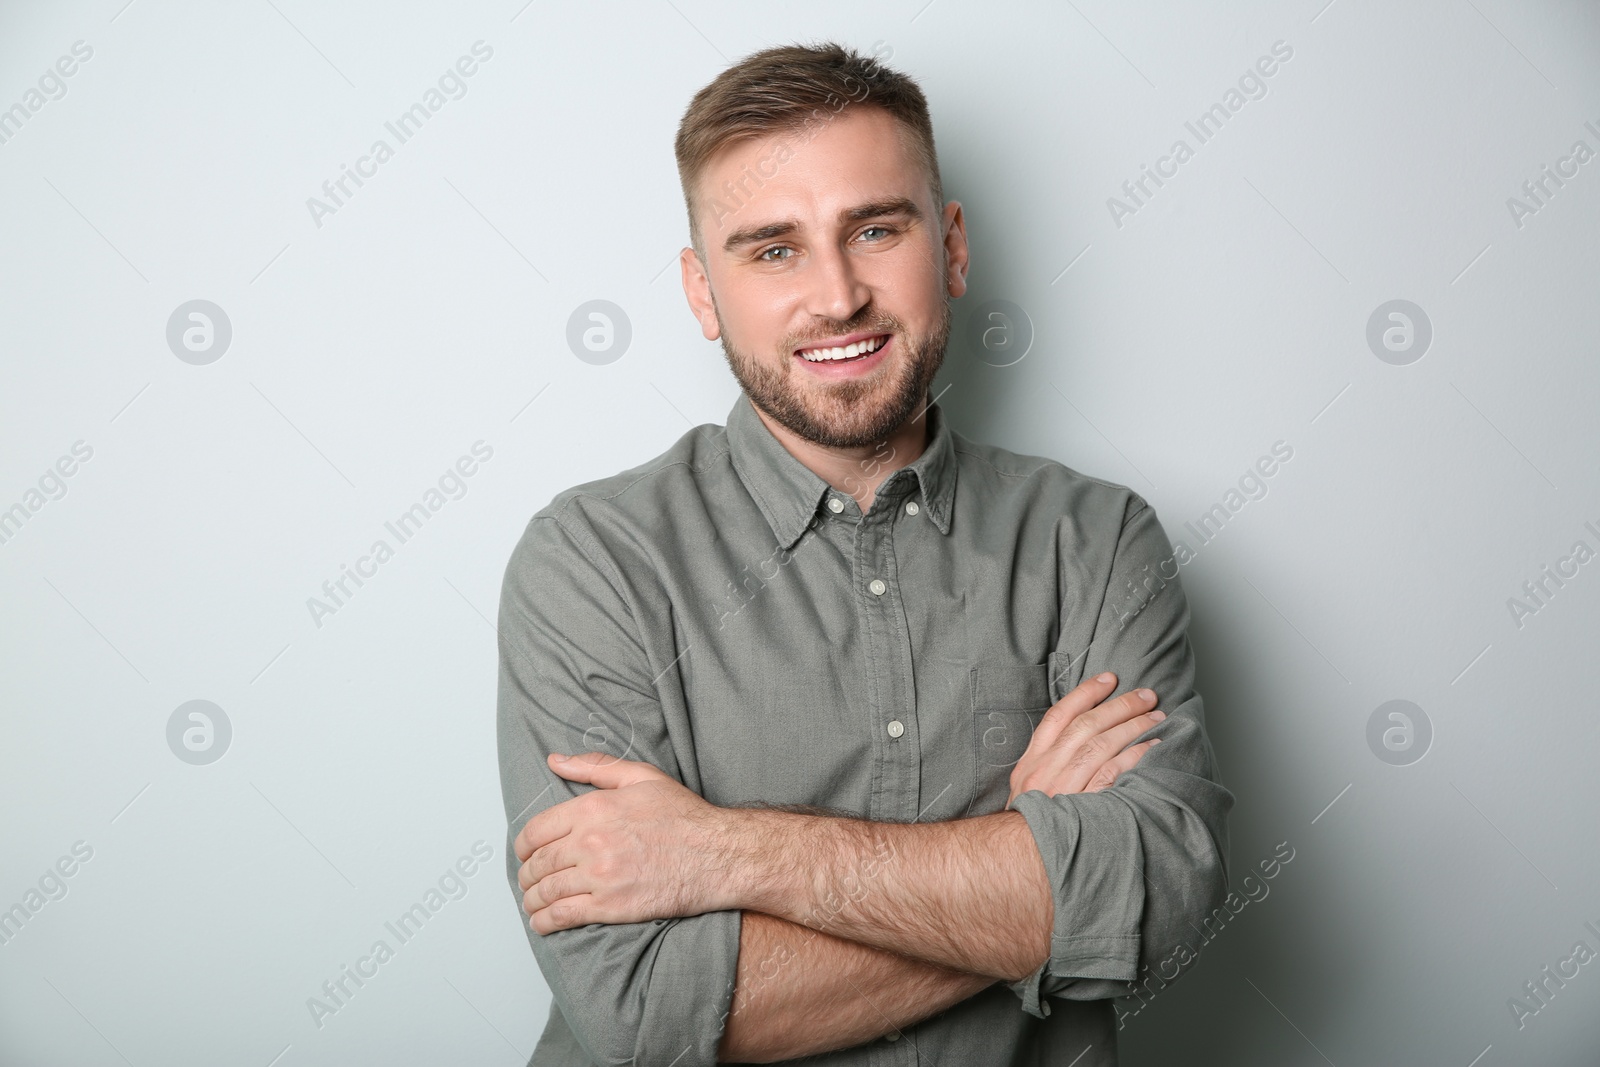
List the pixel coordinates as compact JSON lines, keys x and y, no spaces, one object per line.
{"x":844,"y":354}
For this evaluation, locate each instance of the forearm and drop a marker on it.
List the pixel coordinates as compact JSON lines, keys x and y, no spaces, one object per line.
{"x":800,"y":992}
{"x":970,"y":894}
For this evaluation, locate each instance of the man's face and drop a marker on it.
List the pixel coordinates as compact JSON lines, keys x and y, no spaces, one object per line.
{"x":839,"y":243}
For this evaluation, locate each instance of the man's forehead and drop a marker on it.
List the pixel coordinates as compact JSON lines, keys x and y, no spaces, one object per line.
{"x":822,"y":179}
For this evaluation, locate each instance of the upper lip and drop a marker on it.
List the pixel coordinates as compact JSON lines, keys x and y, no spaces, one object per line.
{"x":841,"y":341}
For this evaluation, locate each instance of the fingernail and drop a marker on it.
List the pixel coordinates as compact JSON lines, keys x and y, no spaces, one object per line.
{"x":1158,"y":715}
{"x":1146,"y":694}
{"x":1155,"y":741}
{"x":559,"y":757}
{"x":1105,"y":677}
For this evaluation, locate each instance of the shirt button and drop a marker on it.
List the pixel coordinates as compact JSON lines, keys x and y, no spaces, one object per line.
{"x":877,"y":587}
{"x":896,"y":728}
{"x":892,"y":1037}
{"x":835,"y":505}
{"x":912,"y":508}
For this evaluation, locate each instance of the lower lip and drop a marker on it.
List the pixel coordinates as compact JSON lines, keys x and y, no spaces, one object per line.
{"x":848,"y":368}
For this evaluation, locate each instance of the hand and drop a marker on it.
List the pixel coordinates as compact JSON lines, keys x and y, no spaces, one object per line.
{"x":1081,"y":745}
{"x":642,"y":846}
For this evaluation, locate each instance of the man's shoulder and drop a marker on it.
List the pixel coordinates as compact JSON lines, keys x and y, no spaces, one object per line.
{"x":643,"y":494}
{"x":1048,"y":482}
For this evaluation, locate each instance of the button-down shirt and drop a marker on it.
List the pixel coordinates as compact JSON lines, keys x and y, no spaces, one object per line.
{"x":724,"y":614}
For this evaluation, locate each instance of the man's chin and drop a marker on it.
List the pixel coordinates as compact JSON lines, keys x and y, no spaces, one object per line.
{"x":846,"y":413}
{"x":842,"y":424}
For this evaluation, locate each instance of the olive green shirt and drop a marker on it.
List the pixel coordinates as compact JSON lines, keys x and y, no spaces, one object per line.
{"x":724,"y":614}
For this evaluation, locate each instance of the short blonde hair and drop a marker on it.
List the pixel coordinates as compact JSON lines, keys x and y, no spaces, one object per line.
{"x":791,"y":88}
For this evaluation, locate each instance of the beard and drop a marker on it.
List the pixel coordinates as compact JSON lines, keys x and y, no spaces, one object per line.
{"x":850,"y":412}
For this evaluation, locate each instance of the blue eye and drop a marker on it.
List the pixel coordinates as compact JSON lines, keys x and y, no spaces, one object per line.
{"x":776,"y":248}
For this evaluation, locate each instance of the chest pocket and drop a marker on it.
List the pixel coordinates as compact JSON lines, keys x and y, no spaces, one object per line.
{"x":1007,"y":703}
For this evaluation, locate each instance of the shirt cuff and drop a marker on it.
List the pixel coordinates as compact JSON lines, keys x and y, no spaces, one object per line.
{"x":691,"y":983}
{"x":1098,"y":898}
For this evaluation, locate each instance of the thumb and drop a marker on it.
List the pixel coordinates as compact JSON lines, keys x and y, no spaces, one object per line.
{"x":601,"y":769}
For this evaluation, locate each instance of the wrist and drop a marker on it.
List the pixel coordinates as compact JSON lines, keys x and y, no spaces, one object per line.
{"x":745,"y":852}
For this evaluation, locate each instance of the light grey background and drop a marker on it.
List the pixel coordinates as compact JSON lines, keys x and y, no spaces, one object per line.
{"x":430,"y":312}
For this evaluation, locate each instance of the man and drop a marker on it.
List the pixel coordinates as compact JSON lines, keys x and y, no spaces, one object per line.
{"x":832,"y":731}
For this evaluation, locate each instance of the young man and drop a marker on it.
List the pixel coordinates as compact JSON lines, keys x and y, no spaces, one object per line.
{"x":832,"y":731}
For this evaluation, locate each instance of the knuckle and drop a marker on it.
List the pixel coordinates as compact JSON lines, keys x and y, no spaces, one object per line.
{"x":1076,"y":733}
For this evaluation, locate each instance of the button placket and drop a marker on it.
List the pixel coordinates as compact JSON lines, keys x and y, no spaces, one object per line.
{"x":899,"y":781}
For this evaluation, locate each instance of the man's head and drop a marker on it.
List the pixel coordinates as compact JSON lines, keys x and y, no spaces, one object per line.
{"x":816,"y":215}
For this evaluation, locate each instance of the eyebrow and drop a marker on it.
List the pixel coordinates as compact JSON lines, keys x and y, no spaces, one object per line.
{"x":876,"y":209}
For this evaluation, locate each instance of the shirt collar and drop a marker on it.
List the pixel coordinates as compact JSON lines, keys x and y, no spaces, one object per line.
{"x":789,"y":493}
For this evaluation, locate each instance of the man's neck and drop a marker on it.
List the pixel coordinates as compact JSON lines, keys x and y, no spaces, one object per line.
{"x":857,"y":471}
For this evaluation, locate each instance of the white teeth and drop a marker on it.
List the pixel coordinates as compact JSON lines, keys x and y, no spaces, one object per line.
{"x":823,"y":355}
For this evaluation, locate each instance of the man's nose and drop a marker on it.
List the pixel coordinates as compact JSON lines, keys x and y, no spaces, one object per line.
{"x":837,"y":291}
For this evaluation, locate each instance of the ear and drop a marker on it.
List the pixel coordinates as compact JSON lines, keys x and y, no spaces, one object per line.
{"x":956,"y":251}
{"x":697,"y":289}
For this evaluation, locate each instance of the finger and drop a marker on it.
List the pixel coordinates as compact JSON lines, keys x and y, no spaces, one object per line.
{"x":546,"y":860}
{"x":599,"y":769}
{"x":1114,"y":768}
{"x":1104,"y":716}
{"x":551,"y":824}
{"x":1085,"y":696}
{"x":552,"y":888}
{"x":562,"y":914}
{"x":1071,"y":763}
{"x":1122,"y":735}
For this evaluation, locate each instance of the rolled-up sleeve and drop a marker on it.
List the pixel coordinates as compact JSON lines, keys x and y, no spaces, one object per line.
{"x":1133,"y":869}
{"x":574,"y":676}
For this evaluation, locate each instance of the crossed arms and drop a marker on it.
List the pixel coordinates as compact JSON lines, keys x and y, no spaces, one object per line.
{"x":945,"y":909}
{"x":670,"y":928}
